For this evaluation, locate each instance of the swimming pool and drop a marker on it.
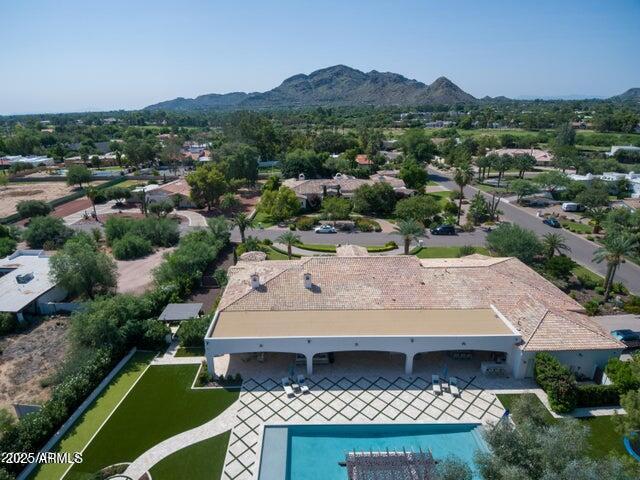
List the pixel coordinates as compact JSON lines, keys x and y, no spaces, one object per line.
{"x":312,"y":452}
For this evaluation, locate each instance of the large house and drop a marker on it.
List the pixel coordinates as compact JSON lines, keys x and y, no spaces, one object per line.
{"x":496,"y":309}
{"x":543,"y":157}
{"x":340,"y":184}
{"x":170,"y":191}
{"x":25,"y":285}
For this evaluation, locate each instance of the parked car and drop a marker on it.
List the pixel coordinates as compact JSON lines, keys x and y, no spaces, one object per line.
{"x":626,"y":335}
{"x":572,"y":207}
{"x":443,"y":230}
{"x":325,"y":229}
{"x":552,"y":222}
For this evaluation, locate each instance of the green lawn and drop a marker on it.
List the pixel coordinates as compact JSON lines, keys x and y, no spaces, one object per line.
{"x":162,"y":404}
{"x":202,"y":461}
{"x":273,"y":254}
{"x":263,"y":219}
{"x":576,"y":227}
{"x":190,"y":352}
{"x":445,"y":252}
{"x":603,"y":438}
{"x":579,"y":270}
{"x":89,"y":423}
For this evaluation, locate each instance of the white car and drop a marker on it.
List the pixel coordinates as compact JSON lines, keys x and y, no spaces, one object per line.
{"x":325,"y":229}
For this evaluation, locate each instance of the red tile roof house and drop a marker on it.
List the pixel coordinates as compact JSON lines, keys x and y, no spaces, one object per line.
{"x":363,"y":160}
{"x":496,"y":309}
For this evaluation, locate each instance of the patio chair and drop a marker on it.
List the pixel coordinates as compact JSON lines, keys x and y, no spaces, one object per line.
{"x":437,"y":386}
{"x":304,"y":389}
{"x":453,"y":386}
{"x":287,"y":387}
{"x":301,"y":379}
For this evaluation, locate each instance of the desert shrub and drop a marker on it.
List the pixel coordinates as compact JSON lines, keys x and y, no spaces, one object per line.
{"x":592,"y":307}
{"x":587,"y":281}
{"x":367,"y":225}
{"x":514,"y":241}
{"x":7,"y":246}
{"x":49,"y":230}
{"x":559,"y":266}
{"x":305,"y":223}
{"x":557,"y":380}
{"x":8,"y":323}
{"x":33,"y":208}
{"x":161,"y":232}
{"x":131,"y":246}
{"x":192,"y":332}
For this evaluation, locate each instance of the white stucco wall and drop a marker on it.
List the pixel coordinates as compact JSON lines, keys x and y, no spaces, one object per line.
{"x":579,"y":361}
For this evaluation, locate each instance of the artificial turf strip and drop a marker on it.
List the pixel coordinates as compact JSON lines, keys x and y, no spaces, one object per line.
{"x":89,"y":423}
{"x":201,"y":461}
{"x":161,"y":405}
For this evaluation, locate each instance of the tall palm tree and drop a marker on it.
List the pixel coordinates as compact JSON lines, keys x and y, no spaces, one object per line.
{"x":597,"y":216}
{"x":410,"y":230}
{"x":462,"y":176}
{"x":92,"y":194}
{"x":242,"y":221}
{"x":289,"y":239}
{"x":614,"y":250}
{"x":554,"y":242}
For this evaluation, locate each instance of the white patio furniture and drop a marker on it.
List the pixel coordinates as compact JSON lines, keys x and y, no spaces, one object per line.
{"x":437,"y":386}
{"x":287,"y":387}
{"x":453,"y":387}
{"x":304,"y":389}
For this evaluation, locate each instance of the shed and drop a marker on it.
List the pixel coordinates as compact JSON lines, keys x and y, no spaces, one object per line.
{"x":176,"y":312}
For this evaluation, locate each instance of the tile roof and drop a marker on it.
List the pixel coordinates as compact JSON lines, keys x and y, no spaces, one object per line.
{"x":546,"y":317}
{"x":363,"y":159}
{"x":348,"y":185}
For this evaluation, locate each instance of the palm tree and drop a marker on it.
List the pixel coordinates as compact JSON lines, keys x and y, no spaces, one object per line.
{"x":597,"y":216}
{"x":462,"y":176}
{"x":614,"y":250}
{"x":554,"y":242}
{"x":92,"y":194}
{"x":289,"y":239}
{"x":242,"y":221}
{"x":410,"y":230}
{"x":219,"y":227}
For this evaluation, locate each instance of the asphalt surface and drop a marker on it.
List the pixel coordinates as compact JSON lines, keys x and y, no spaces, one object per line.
{"x":582,"y":250}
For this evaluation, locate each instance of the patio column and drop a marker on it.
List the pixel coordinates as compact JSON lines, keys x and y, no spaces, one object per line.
{"x":309,"y":364}
{"x":408,"y":363}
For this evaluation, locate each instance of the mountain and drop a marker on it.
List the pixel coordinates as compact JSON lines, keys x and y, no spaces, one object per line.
{"x":333,"y":86}
{"x":631,"y":95}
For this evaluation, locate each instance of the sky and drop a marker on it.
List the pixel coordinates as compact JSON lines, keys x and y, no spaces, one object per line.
{"x":79,"y":55}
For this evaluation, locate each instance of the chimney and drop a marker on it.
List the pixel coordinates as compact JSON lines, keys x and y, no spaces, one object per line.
{"x":255,"y":281}
{"x":307,"y":281}
{"x":301,"y":176}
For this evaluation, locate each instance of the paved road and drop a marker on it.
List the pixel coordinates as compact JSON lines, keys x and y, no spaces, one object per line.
{"x":581,"y":249}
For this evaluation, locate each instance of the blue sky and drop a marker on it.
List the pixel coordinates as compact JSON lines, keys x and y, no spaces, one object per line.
{"x":72,"y":55}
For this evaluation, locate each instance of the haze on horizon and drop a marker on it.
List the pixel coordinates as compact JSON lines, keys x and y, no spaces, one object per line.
{"x":70,"y":55}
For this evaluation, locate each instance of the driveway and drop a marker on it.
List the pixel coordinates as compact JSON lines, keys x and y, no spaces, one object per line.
{"x":135,"y":276}
{"x":582,"y":250}
{"x":618,"y":322}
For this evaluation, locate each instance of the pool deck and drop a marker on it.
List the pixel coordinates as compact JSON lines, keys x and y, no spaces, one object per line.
{"x":345,"y":400}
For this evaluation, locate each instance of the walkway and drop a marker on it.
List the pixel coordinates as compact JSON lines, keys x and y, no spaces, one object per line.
{"x":102,"y":209}
{"x":195,"y":219}
{"x":220,"y":424}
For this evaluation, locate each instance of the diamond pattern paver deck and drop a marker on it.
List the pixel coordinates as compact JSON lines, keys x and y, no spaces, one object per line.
{"x":344,"y":400}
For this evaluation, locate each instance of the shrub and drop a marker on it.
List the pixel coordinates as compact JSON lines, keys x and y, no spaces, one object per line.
{"x":7,"y":246}
{"x":587,"y":281}
{"x":597,"y":395}
{"x":305,"y":223}
{"x":221,"y":277}
{"x":592,"y":307}
{"x":559,"y":266}
{"x":466,"y":250}
{"x":131,"y":246}
{"x":557,"y":380}
{"x":367,"y":225}
{"x":161,"y":232}
{"x":8,"y":323}
{"x":631,"y":306}
{"x":514,"y":241}
{"x":48,"y":230}
{"x":191,"y":332}
{"x":622,"y":375}
{"x":33,"y":208}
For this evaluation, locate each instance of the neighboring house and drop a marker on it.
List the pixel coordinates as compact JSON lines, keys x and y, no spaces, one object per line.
{"x":633,"y":178}
{"x":35,"y":160}
{"x":363,"y":160}
{"x":391,"y":155}
{"x":25,"y":286}
{"x":543,"y":157}
{"x":622,"y":148}
{"x":493,"y":308}
{"x":159,"y":193}
{"x":340,"y":184}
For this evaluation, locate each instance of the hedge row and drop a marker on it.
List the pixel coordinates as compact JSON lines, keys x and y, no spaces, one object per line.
{"x":557,"y":381}
{"x":598,"y":395}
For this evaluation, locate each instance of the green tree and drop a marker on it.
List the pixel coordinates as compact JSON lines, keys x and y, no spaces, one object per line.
{"x":273,"y":183}
{"x":171,"y":153}
{"x":524,"y":163}
{"x":118,"y":194}
{"x":289,"y":239}
{"x":207,"y":184}
{"x":302,"y":161}
{"x":161,"y":209}
{"x":463,"y":175}
{"x":523,"y":188}
{"x":239,"y":161}
{"x":597,"y":215}
{"x":501,"y":163}
{"x":280,"y":205}
{"x":77,"y":175}
{"x":629,"y":423}
{"x":33,"y":208}
{"x":378,"y":199}
{"x":565,"y":135}
{"x":81,"y":269}
{"x":242,"y":221}
{"x":421,"y":208}
{"x":413,"y":174}
{"x":614,"y":251}
{"x":479,"y":210}
{"x":483,"y":163}
{"x":92,"y":194}
{"x":559,"y":266}
{"x":415,"y":143}
{"x":593,"y":196}
{"x":336,"y":208}
{"x":409,"y":230}
{"x":552,"y":180}
{"x":7,"y":246}
{"x":46,"y":230}
{"x":554,"y":243}
{"x":514,"y":241}
{"x":219,"y":228}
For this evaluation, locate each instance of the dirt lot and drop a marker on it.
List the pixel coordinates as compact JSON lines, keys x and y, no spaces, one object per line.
{"x":11,"y":194}
{"x":29,"y":357}
{"x":135,"y":276}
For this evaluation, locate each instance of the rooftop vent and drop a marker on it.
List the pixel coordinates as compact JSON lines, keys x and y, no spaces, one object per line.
{"x":301,"y":176}
{"x":255,"y":281}
{"x":307,"y":281}
{"x":24,"y":278}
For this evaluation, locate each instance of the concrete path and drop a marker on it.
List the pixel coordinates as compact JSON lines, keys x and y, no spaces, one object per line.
{"x":195,"y":219}
{"x":220,"y":424}
{"x":582,"y":250}
{"x":102,"y":209}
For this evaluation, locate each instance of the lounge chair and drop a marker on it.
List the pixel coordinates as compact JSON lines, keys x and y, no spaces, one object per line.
{"x":287,"y":388}
{"x":453,"y":386}
{"x":437,"y":386}
{"x":304,"y":388}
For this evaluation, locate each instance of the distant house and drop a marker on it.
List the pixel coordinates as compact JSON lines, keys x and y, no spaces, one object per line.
{"x":340,"y":185}
{"x":633,"y":178}
{"x":25,"y":285}
{"x":543,"y":157}
{"x":35,"y":160}
{"x":169,"y":191}
{"x":622,"y":148}
{"x":363,"y":160}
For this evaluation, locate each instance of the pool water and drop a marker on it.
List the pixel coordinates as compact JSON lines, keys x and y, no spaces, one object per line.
{"x":312,"y":452}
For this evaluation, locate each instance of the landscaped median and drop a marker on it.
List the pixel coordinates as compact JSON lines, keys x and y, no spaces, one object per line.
{"x":91,"y":421}
{"x":389,"y":246}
